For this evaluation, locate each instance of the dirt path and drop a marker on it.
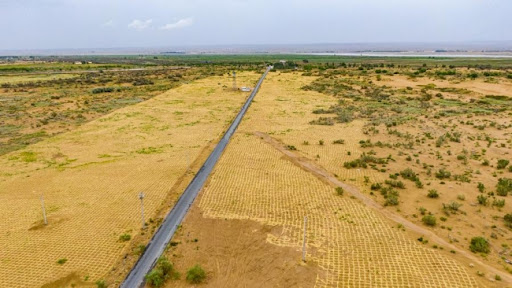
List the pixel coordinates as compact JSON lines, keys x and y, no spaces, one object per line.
{"x":324,"y":175}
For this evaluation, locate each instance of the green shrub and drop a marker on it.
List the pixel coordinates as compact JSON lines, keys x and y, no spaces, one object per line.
{"x":504,"y":186}
{"x":125,"y":237}
{"x":429,"y":220}
{"x":481,"y":187}
{"x":452,"y":207}
{"x":391,"y":201}
{"x":479,"y":244}
{"x":443,"y":174}
{"x":502,"y":163}
{"x":498,"y":203}
{"x":508,"y":220}
{"x":432,"y":193}
{"x":482,"y":200}
{"x":409,"y":174}
{"x":155,"y":278}
{"x":339,"y":141}
{"x":163,"y":270}
{"x":339,"y":191}
{"x":102,"y":90}
{"x":196,"y":275}
{"x":375,"y":186}
{"x":62,"y":261}
{"x":395,"y":184}
{"x":291,"y":147}
{"x":101,"y":284}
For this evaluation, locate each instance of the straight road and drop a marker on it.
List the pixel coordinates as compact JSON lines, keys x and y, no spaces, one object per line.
{"x":164,"y":234}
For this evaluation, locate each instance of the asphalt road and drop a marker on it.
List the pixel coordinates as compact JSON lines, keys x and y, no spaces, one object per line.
{"x":164,"y":234}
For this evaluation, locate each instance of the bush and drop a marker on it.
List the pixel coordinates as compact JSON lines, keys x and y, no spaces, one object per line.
{"x":291,"y":147}
{"x":196,"y":275}
{"x":339,"y":141}
{"x":429,"y":220}
{"x":375,"y":186}
{"x":481,"y":187}
{"x":62,"y":261}
{"x":391,"y":201}
{"x":482,"y":200}
{"x":502,"y":163}
{"x":504,"y":186}
{"x":101,"y":284}
{"x":498,"y":203}
{"x":508,"y":220}
{"x":339,"y":191}
{"x":443,"y":174}
{"x":452,"y":207}
{"x":125,"y":237}
{"x":432,"y":193}
{"x":479,"y":244}
{"x":163,"y":270}
{"x":102,"y":90}
{"x":409,"y":174}
{"x":155,"y":278}
{"x":395,"y":184}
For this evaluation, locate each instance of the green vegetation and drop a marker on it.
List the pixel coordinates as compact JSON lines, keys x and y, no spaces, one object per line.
{"x":429,"y":220}
{"x":432,"y":193}
{"x":339,"y":191}
{"x":196,"y":274}
{"x":62,"y":261}
{"x":163,"y":271}
{"x":479,"y":244}
{"x":125,"y":237}
{"x":504,"y":186}
{"x":502,"y":163}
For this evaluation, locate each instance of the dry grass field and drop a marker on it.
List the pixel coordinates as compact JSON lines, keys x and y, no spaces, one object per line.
{"x":91,"y":176}
{"x":390,"y":123}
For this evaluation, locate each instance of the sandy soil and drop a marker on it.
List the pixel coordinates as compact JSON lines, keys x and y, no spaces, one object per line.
{"x":234,"y":253}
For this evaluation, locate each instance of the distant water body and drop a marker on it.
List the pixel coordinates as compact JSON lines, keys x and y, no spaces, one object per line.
{"x":405,"y":54}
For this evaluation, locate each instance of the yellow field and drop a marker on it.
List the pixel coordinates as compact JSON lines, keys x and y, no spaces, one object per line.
{"x":30,"y":78}
{"x":90,"y":179}
{"x":352,"y":244}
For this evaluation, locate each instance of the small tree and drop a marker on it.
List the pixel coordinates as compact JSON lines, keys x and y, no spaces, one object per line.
{"x":429,"y":220}
{"x":479,"y":244}
{"x":432,"y":193}
{"x":502,"y":163}
{"x":156,"y":277}
{"x":196,"y":274}
{"x":101,"y":284}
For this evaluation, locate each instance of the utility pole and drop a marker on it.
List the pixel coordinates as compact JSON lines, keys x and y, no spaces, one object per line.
{"x":44,"y":210}
{"x":304,"y":241}
{"x":234,"y":80}
{"x":141,"y":197}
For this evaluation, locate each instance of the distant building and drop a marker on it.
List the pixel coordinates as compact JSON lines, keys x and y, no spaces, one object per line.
{"x":282,"y":62}
{"x":78,"y":62}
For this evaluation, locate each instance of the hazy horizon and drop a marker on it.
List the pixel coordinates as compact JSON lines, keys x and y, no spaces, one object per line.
{"x":94,"y":24}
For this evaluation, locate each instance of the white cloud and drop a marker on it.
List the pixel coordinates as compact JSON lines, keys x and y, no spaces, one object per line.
{"x":140,"y":25}
{"x":109,"y":23}
{"x":177,"y":25}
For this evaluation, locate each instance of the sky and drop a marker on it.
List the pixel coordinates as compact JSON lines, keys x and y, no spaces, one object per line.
{"x":64,"y":24}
